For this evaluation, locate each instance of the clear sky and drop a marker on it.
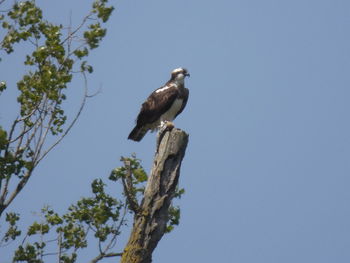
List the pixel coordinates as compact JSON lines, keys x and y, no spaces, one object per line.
{"x":267,"y":171}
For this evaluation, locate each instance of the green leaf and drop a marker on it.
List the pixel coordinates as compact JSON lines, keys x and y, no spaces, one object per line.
{"x":3,"y":139}
{"x":80,"y":53}
{"x":13,"y":232}
{"x":2,"y":86}
{"x":140,"y":175}
{"x":174,"y":218}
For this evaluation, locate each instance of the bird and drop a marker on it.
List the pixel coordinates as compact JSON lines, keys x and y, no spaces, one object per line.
{"x":162,"y":106}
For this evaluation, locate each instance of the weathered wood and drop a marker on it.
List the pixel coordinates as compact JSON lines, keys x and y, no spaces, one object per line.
{"x":151,"y":220}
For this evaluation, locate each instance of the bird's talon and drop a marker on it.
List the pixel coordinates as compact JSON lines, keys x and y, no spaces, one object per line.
{"x":169,"y":125}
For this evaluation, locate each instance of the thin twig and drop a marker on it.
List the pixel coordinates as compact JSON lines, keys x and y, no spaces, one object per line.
{"x":99,"y":246}
{"x":111,"y":244}
{"x":31,"y":137}
{"x":69,"y":32}
{"x":24,"y":128}
{"x":59,"y":246}
{"x":38,"y":144}
{"x":69,"y":53}
{"x":127,"y":185}
{"x":51,"y":240}
{"x":77,"y":29}
{"x":11,"y":132}
{"x":49,"y":254}
{"x":43,"y":137}
{"x":82,"y":105}
{"x":4,"y":192}
{"x":19,"y":187}
{"x":109,"y":255}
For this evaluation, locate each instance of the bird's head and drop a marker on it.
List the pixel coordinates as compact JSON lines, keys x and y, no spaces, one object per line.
{"x":179,"y":74}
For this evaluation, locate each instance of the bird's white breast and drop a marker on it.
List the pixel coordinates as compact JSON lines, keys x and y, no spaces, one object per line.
{"x":171,"y":113}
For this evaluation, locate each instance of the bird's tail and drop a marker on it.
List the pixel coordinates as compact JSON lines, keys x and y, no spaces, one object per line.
{"x":137,"y":133}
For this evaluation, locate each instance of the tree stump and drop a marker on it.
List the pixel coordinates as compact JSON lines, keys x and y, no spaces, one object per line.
{"x":151,"y":219}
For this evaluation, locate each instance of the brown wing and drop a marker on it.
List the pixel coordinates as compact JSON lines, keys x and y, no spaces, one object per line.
{"x":184,"y":96}
{"x":155,"y":105}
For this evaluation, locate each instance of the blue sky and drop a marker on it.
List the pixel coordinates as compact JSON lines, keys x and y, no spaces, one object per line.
{"x":267,"y":169}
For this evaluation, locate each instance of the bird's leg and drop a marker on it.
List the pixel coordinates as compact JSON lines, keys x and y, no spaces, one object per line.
{"x":166,"y":125}
{"x":169,"y":125}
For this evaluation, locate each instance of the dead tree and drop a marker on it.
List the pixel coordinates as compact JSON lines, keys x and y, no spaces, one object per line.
{"x":151,"y":216}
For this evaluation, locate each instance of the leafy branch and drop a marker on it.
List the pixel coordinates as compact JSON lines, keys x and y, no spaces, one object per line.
{"x":54,"y":61}
{"x":100,"y":216}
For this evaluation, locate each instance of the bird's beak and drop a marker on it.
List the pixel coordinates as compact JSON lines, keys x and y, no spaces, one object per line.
{"x":187,"y":75}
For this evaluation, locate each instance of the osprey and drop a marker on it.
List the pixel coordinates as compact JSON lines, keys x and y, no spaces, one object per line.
{"x":162,"y":106}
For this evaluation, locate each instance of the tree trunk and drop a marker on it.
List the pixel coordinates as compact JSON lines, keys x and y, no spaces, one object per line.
{"x":151,"y":220}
